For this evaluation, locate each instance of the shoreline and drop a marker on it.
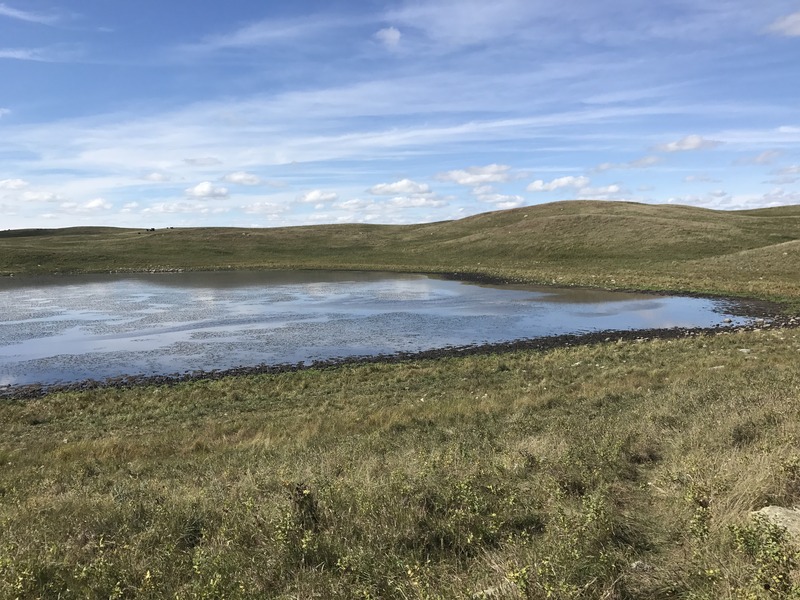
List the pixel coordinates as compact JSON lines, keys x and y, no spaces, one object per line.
{"x":757,"y":310}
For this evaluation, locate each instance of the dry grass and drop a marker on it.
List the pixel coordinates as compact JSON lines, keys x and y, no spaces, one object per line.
{"x":618,"y":471}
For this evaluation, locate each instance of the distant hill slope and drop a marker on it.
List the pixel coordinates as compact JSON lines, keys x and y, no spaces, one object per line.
{"x":609,"y":244}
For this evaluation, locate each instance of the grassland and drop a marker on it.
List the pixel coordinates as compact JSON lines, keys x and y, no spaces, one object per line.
{"x":619,"y":470}
{"x":604,"y":244}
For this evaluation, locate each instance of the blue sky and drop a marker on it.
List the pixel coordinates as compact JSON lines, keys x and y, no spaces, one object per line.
{"x":256,"y":113}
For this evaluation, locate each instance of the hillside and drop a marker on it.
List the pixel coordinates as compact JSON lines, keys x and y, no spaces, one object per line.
{"x":608,"y":244}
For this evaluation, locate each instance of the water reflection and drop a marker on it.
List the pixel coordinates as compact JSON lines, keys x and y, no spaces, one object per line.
{"x":93,"y":327}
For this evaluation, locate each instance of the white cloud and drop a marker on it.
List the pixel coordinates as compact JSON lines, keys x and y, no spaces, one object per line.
{"x":389,"y":37}
{"x":639,"y":163}
{"x":600,"y":193}
{"x":4,"y":112}
{"x":474,"y":176}
{"x":157,"y":176}
{"x":51,"y":54}
{"x":269,"y":31}
{"x":416,"y":202}
{"x":242,"y":178}
{"x":35,"y":54}
{"x":130,"y":207}
{"x":788,"y":25}
{"x":561,"y":182}
{"x":40,"y":197}
{"x":203,"y":161}
{"x":722,"y":201}
{"x":690,"y":142}
{"x":206,"y":189}
{"x":317,"y":196}
{"x":355,"y":204}
{"x":97,"y":204}
{"x":404,"y":186}
{"x":13,"y":184}
{"x":24,"y":15}
{"x":502,"y":201}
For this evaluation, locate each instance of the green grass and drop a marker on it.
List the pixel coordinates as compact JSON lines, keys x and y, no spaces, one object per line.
{"x":625,"y":470}
{"x":603,"y":244}
{"x":621,"y":470}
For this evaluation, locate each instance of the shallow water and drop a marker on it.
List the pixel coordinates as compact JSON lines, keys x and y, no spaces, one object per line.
{"x":68,"y":329}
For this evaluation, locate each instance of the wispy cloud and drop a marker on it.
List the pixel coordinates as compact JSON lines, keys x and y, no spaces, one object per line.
{"x":269,"y":32}
{"x":788,"y":25}
{"x":688,"y":143}
{"x":242,"y":178}
{"x":639,"y":163}
{"x":51,"y":54}
{"x":25,"y":15}
{"x":389,"y":37}
{"x":764,"y":158}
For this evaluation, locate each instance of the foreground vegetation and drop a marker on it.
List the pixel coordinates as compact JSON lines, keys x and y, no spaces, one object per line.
{"x":624,"y":470}
{"x":606,"y":244}
{"x":620,"y":470}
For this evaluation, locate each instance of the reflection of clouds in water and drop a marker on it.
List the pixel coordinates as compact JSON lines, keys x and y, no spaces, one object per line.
{"x":112,"y":326}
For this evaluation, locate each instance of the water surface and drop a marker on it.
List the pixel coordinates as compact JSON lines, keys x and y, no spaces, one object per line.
{"x":68,"y":329}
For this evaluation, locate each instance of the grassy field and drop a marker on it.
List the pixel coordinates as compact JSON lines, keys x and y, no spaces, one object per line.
{"x":620,"y":470}
{"x":604,"y":244}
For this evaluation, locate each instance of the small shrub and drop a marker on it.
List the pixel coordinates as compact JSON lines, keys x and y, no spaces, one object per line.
{"x":774,"y":557}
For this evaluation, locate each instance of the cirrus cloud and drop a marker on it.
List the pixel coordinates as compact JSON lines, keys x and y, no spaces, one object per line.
{"x":639,"y":163}
{"x":25,"y":15}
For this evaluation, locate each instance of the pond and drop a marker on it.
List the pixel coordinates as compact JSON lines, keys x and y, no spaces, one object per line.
{"x":67,"y":329}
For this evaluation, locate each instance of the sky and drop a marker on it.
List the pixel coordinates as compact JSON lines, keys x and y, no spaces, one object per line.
{"x":259,"y":113}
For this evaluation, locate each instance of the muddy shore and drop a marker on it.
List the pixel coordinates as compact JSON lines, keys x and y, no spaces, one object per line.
{"x":764,"y":316}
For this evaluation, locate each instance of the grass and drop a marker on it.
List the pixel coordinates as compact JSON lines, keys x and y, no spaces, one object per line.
{"x":624,"y":470}
{"x":621,"y":470}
